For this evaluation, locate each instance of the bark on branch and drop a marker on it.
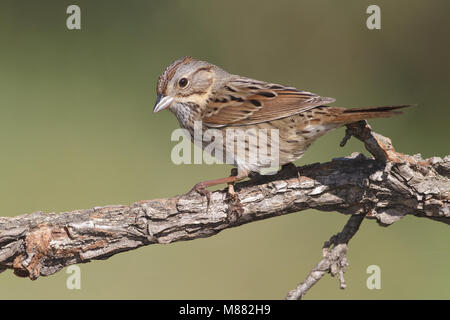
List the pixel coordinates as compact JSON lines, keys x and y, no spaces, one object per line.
{"x":386,"y":188}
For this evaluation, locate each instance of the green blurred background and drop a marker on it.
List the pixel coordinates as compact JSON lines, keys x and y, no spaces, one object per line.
{"x":77,"y":131}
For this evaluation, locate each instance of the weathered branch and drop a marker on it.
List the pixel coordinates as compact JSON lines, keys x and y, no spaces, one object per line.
{"x":385,"y":188}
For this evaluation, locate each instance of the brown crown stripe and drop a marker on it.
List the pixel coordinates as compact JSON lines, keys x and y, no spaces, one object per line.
{"x":169,"y":73}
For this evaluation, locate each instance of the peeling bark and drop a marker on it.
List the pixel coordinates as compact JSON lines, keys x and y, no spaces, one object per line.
{"x":386,"y":188}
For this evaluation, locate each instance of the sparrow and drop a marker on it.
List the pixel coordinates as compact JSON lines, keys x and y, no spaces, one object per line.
{"x":197,"y":91}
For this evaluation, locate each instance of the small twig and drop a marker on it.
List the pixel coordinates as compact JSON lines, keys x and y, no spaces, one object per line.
{"x":334,"y":259}
{"x":347,"y":137}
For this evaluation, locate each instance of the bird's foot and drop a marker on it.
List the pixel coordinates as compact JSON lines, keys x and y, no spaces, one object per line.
{"x":290,"y":169}
{"x":253,"y":175}
{"x":232,"y":196}
{"x":235,"y":209}
{"x":200,"y":188}
{"x":234,"y":204}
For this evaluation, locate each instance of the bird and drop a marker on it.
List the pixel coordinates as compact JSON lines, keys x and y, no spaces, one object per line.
{"x":197,"y":91}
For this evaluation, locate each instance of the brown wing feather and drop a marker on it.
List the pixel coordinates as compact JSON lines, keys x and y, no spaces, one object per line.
{"x":247,"y":101}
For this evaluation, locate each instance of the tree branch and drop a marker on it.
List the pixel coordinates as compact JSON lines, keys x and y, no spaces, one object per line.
{"x":334,"y":261}
{"x":385,"y":188}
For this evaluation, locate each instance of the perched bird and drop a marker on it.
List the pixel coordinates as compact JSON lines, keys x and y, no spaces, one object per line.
{"x":196,"y":90}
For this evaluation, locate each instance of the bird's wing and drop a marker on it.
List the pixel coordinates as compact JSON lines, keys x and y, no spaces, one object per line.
{"x":246,"y":101}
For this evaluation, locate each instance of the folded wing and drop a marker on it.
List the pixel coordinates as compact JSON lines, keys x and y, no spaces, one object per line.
{"x":246,"y":101}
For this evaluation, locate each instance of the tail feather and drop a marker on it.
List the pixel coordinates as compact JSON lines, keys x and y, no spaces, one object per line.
{"x":376,"y":109}
{"x":345,"y":115}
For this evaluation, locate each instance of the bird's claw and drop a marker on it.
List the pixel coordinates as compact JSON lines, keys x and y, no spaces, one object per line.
{"x":235,"y":209}
{"x":290,"y":169}
{"x":200,"y":188}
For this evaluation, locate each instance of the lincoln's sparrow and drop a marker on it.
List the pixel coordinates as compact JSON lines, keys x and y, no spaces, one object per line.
{"x":199,"y":91}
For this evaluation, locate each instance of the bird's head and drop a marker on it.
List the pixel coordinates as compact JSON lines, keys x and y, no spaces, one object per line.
{"x":186,"y":80}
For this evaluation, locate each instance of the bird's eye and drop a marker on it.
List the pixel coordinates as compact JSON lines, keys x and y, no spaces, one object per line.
{"x":183,"y":82}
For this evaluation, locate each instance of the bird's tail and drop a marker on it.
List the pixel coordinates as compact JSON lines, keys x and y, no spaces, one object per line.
{"x":344,"y":115}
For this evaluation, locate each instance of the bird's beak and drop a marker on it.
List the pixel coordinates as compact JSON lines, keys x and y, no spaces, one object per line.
{"x":162,"y":102}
